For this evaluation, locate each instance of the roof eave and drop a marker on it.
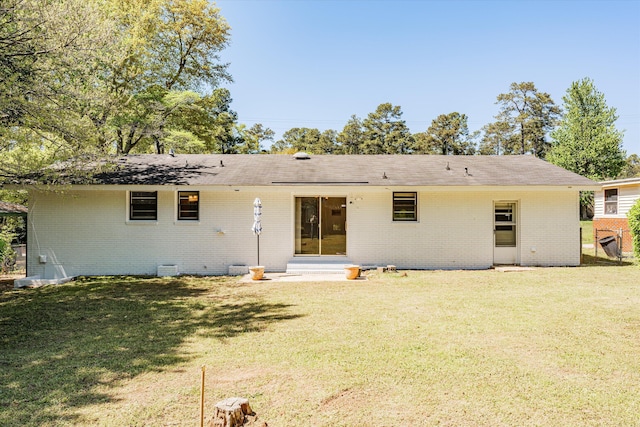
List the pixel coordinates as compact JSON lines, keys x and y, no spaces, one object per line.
{"x":620,"y":182}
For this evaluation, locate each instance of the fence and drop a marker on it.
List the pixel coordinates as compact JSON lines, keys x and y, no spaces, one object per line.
{"x":612,"y":241}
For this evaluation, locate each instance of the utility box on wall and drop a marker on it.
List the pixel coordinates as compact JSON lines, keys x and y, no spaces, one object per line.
{"x":167,"y":270}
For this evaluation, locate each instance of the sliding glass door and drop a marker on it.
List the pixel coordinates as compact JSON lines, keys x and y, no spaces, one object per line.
{"x":320,"y":226}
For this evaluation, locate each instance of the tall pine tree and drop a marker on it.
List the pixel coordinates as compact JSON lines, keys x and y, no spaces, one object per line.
{"x":525,"y":118}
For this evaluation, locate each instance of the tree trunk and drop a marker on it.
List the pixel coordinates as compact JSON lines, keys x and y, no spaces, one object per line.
{"x":231,"y":412}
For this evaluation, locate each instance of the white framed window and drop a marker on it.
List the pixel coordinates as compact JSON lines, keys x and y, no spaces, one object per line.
{"x":188,"y":205}
{"x":405,"y":206}
{"x":143,"y":206}
{"x":611,"y":201}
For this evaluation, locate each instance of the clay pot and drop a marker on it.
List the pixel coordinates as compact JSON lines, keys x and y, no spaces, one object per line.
{"x":257,"y":272}
{"x":352,"y":271}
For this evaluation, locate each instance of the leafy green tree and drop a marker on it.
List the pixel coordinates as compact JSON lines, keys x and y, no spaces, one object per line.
{"x":7,"y":254}
{"x":253,"y":137}
{"x":351,"y":139}
{"x":587,"y":141}
{"x":386,"y":133}
{"x":47,"y":49}
{"x":631,"y":168}
{"x":327,"y":143}
{"x":52,"y":61}
{"x":297,"y":139}
{"x":87,"y":78}
{"x":530,"y":115}
{"x":210,"y":120}
{"x":168,"y":47}
{"x":14,"y":228}
{"x":448,"y":134}
{"x":311,"y":141}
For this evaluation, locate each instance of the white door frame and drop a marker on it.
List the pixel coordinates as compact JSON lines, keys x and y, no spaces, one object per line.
{"x":320,"y":221}
{"x":506,"y":232}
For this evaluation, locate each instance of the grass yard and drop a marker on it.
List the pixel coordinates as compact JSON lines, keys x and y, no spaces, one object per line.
{"x":548,"y":347}
{"x":587,"y":231}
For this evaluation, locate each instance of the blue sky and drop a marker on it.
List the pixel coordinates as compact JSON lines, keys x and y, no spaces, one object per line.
{"x":314,"y":63}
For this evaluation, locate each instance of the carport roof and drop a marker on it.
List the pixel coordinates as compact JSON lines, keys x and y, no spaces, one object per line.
{"x":12,"y":209}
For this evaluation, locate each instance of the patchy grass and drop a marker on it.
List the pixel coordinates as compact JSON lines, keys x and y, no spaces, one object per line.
{"x":544,"y":347}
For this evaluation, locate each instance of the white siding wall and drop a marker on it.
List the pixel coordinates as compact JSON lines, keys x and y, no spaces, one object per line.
{"x":87,"y":232}
{"x":598,"y":204}
{"x":627,"y":197}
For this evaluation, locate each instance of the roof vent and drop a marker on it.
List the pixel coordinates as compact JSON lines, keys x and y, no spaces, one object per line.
{"x":301,"y":155}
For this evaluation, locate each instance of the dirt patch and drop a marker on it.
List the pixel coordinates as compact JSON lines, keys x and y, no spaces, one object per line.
{"x":346,"y":398}
{"x":6,"y":281}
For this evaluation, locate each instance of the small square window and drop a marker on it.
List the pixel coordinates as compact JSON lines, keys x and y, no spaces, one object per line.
{"x":143,"y":205}
{"x":611,"y":201}
{"x":405,"y":206}
{"x":188,"y":205}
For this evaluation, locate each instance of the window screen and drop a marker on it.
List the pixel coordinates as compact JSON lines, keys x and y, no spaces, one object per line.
{"x":405,"y":206}
{"x":143,"y":205}
{"x":611,"y":201}
{"x":188,"y":205}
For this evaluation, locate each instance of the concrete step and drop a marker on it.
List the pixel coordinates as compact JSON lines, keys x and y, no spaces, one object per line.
{"x":317,"y":265}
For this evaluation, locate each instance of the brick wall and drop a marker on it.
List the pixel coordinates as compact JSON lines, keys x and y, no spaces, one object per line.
{"x":602,"y":225}
{"x":88,"y":232}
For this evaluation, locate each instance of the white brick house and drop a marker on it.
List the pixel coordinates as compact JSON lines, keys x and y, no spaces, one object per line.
{"x":195,"y":212}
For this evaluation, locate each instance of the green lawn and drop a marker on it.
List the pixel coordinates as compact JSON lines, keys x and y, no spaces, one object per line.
{"x":547,"y":347}
{"x":587,"y":231}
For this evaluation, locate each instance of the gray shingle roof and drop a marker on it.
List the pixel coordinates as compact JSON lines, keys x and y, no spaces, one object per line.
{"x":367,"y":170}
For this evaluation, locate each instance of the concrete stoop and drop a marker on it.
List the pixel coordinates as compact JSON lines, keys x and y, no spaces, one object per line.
{"x":317,"y":265}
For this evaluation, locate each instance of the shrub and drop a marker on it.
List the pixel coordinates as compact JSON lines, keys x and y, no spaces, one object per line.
{"x":7,"y":254}
{"x":634,"y":225}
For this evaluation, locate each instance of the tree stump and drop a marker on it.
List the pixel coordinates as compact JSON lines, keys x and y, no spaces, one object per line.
{"x":231,"y":412}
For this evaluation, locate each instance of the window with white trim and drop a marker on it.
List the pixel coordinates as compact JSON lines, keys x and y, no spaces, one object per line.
{"x":143,"y":205}
{"x":405,"y":206}
{"x":611,"y":201}
{"x":188,"y":205}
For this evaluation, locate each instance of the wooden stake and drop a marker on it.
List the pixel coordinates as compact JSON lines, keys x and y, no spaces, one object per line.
{"x":202,"y":399}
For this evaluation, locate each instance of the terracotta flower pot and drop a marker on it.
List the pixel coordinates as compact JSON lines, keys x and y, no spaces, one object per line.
{"x":352,"y":271}
{"x":257,"y":272}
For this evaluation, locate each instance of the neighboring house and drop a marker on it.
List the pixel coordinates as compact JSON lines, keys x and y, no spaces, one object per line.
{"x":195,"y":212}
{"x":611,"y":205}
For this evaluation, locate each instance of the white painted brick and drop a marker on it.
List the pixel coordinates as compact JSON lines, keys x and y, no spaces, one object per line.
{"x":87,"y":232}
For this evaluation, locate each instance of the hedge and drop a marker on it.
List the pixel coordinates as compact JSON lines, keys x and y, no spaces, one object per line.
{"x":634,"y":225}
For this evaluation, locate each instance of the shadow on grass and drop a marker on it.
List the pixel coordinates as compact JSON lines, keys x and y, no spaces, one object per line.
{"x":60,"y":345}
{"x":594,"y":261}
